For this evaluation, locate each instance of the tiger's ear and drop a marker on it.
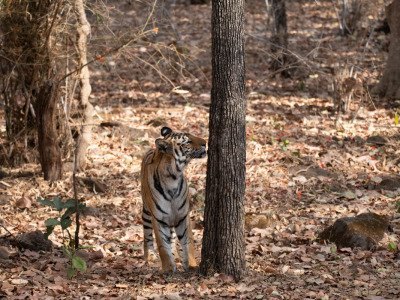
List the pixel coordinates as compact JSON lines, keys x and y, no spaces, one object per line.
{"x":163,"y":146}
{"x":165,"y":131}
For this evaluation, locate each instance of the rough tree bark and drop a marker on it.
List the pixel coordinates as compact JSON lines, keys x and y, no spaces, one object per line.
{"x":223,"y":242}
{"x":389,"y":85}
{"x":49,"y":147}
{"x":199,"y":2}
{"x":85,"y":136}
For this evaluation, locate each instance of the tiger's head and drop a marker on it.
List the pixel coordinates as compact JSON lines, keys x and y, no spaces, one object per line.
{"x":181,"y":145}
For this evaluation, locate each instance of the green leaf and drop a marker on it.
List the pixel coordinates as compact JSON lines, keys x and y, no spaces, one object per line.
{"x":71,"y":208}
{"x":71,"y":272}
{"x":65,"y":222}
{"x":70,"y":211}
{"x":46,"y":202}
{"x":396,"y":118}
{"x":58,"y":204}
{"x":49,"y":230}
{"x":78,"y":263}
{"x":66,"y":251}
{"x":398,"y":206}
{"x":51,"y":222}
{"x":92,"y":247}
{"x":71,"y":203}
{"x":392,"y":246}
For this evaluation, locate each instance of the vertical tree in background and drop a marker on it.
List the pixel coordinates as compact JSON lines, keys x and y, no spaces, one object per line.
{"x":279,"y":38}
{"x":29,"y":84}
{"x":85,"y":137}
{"x":37,"y":84}
{"x":223,"y":242}
{"x":389,"y":85}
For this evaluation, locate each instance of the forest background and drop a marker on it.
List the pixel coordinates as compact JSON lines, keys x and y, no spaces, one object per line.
{"x":310,"y":158}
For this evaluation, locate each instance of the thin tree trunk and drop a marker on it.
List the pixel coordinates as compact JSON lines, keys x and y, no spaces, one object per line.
{"x":49,"y":144}
{"x":85,"y":137}
{"x":279,"y":29}
{"x":389,"y":85}
{"x":279,"y":38}
{"x":223,"y":242}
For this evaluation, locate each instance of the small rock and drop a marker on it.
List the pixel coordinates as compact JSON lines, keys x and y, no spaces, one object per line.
{"x":90,"y":255}
{"x":377,"y":140}
{"x":34,"y":241}
{"x":389,"y":183}
{"x":94,"y":184}
{"x":362,"y":231}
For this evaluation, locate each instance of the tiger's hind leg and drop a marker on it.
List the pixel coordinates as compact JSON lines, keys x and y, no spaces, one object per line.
{"x":163,"y":238}
{"x":184,"y":233}
{"x":148,"y":243}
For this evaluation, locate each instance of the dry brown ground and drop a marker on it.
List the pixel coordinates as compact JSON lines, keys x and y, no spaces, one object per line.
{"x":294,"y":188}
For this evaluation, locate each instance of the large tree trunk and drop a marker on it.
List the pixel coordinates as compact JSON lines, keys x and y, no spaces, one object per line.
{"x":85,"y":137}
{"x":389,"y":85}
{"x":223,"y":242}
{"x":49,"y":144}
{"x":199,"y":2}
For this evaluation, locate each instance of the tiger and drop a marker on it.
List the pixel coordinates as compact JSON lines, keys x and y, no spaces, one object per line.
{"x":165,"y":196}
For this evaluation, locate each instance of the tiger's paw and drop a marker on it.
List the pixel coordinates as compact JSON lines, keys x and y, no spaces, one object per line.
{"x":151,"y":256}
{"x":169,"y":269}
{"x":191,"y":266}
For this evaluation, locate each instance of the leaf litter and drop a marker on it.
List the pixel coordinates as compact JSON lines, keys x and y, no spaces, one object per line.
{"x":302,"y":174}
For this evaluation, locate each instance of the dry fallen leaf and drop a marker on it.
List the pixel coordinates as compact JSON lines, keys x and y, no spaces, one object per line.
{"x":291,"y":124}
{"x":23,"y":202}
{"x":19,"y":281}
{"x":4,"y":254}
{"x":269,"y":269}
{"x":173,"y":296}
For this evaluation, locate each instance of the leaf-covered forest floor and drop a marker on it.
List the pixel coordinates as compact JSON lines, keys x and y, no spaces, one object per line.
{"x":303,"y":170}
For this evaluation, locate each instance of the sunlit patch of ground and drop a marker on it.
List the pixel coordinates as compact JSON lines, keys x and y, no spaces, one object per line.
{"x":303,"y":172}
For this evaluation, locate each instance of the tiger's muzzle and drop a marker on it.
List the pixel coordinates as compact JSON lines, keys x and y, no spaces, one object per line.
{"x":200,"y":153}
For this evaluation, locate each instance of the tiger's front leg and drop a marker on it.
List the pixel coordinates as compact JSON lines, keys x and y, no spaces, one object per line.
{"x":184,"y":233}
{"x":162,"y":233}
